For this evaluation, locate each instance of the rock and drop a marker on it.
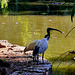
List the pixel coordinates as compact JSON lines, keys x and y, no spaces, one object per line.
{"x":2,"y":46}
{"x":10,"y":49}
{"x":26,"y":73}
{"x":4,"y":64}
{"x":13,"y":46}
{"x":3,"y":71}
{"x":5,"y":43}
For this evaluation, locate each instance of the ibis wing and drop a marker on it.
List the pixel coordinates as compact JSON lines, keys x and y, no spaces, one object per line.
{"x":40,"y":47}
{"x":43,"y":45}
{"x":31,"y":46}
{"x":36,"y":51}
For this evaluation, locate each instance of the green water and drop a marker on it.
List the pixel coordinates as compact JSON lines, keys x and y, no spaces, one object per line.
{"x":23,"y":29}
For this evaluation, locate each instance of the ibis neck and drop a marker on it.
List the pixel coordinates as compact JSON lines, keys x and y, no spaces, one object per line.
{"x":47,"y":36}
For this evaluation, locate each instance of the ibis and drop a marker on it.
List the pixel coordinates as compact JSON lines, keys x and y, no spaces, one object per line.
{"x":31,"y":45}
{"x":42,"y":45}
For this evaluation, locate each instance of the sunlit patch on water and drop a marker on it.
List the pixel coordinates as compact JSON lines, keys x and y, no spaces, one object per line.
{"x":54,"y":37}
{"x":50,"y":20}
{"x":3,"y":23}
{"x":63,"y":32}
{"x":16,"y":22}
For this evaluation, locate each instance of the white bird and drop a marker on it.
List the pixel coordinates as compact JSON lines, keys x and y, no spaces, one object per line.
{"x":42,"y":45}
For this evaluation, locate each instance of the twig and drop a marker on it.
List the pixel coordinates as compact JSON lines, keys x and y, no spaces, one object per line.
{"x":70,"y":64}
{"x":60,"y":56}
{"x":61,"y":61}
{"x":63,"y":58}
{"x":69,"y":31}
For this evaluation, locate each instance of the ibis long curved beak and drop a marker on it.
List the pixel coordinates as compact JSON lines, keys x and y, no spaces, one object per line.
{"x":48,"y":30}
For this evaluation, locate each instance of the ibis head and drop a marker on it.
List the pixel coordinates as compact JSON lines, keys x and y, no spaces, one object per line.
{"x":48,"y":32}
{"x":49,"y":29}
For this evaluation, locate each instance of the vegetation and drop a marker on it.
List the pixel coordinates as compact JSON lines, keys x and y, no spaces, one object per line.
{"x":42,"y":7}
{"x":4,"y":3}
{"x":73,"y":11}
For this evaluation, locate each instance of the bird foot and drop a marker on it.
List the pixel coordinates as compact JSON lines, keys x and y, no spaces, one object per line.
{"x":35,"y":60}
{"x":41,"y":63}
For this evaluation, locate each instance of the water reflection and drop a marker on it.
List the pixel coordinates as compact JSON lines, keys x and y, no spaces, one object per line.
{"x":23,"y":29}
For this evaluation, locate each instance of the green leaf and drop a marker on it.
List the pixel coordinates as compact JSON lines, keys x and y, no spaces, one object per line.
{"x":4,"y":59}
{"x":43,"y":13}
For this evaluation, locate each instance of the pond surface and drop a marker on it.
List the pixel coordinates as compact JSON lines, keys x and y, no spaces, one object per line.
{"x":22,"y":29}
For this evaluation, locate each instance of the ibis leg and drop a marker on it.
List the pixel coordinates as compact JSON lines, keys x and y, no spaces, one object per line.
{"x":42,"y":57}
{"x":33,"y":58}
{"x":37,"y":59}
